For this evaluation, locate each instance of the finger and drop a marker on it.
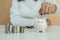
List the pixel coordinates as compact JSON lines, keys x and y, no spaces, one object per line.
{"x":53,"y":8}
{"x":41,"y":11}
{"x":49,"y":9}
{"x":45,"y":7}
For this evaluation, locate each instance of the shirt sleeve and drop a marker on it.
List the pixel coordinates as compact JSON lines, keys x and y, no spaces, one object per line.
{"x":15,"y":14}
{"x":14,"y":10}
{"x":54,"y":2}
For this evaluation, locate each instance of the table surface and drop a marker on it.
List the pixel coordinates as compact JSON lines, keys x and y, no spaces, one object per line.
{"x":52,"y":33}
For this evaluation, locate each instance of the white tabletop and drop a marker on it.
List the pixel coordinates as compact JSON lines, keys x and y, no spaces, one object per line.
{"x":52,"y":33}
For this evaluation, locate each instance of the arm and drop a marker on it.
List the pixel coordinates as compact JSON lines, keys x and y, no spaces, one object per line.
{"x":14,"y":12}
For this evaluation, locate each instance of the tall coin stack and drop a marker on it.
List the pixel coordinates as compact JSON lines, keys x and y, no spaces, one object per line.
{"x":7,"y":28}
{"x":21,"y":29}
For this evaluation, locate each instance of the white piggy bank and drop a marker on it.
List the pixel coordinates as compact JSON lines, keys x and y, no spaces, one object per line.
{"x":40,"y":24}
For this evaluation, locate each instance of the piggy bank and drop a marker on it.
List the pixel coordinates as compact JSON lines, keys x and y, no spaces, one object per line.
{"x":40,"y":24}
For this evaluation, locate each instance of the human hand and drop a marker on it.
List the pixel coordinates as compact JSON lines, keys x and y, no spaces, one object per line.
{"x":47,"y":8}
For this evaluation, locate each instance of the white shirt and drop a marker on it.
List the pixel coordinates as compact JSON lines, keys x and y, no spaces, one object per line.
{"x":27,"y":9}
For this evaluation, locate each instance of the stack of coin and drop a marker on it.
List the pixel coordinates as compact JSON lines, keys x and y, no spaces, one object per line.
{"x":7,"y":28}
{"x":21,"y":29}
{"x":14,"y":29}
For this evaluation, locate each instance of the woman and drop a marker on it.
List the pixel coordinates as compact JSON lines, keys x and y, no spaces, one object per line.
{"x":23,"y":12}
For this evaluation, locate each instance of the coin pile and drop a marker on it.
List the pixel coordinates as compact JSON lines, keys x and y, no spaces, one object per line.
{"x":13,"y":29}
